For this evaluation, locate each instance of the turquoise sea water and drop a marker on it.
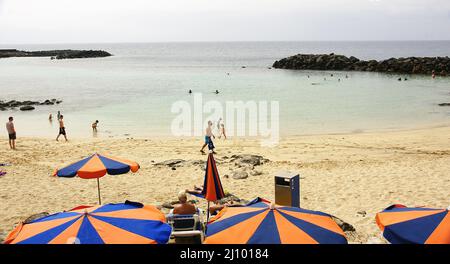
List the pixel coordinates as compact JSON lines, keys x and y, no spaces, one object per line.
{"x":132,"y":92}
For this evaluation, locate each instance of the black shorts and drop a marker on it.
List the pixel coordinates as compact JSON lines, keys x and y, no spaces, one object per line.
{"x":62,"y":131}
{"x":12,"y":136}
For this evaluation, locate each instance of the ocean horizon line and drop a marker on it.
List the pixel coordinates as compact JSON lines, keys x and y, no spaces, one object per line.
{"x":226,"y":41}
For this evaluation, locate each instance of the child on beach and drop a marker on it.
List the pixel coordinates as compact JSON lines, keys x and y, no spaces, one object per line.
{"x":11,"y":132}
{"x":62,"y":129}
{"x":208,"y":140}
{"x":94,"y":126}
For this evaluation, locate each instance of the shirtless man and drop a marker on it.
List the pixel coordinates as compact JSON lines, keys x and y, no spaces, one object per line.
{"x":62,"y":129}
{"x":208,"y":140}
{"x":11,"y":133}
{"x":184,"y":208}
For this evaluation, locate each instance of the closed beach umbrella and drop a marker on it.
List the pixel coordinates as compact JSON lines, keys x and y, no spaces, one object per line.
{"x":124,"y":223}
{"x":261,"y":222}
{"x":212,"y":187}
{"x":97,"y":166}
{"x":403,"y":225}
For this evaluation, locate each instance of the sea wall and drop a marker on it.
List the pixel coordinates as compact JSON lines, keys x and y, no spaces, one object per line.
{"x":411,"y":65}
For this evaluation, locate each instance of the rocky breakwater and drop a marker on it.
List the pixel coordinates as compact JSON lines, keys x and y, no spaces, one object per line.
{"x":25,"y":105}
{"x":326,"y":62}
{"x":55,"y":54}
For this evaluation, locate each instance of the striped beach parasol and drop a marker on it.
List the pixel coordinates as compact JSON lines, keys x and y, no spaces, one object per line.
{"x":212,"y":187}
{"x":97,"y":166}
{"x":404,"y":225}
{"x":261,"y":222}
{"x":124,"y":223}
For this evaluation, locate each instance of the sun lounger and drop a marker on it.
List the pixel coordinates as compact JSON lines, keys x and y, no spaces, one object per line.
{"x":186,"y":229}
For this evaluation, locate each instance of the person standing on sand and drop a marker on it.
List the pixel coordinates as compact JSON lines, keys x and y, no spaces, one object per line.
{"x":218,"y":124}
{"x":94,"y":126}
{"x":208,"y":140}
{"x":221,"y":128}
{"x":11,"y":132}
{"x":50,"y":117}
{"x":62,"y":129}
{"x":222,"y":131}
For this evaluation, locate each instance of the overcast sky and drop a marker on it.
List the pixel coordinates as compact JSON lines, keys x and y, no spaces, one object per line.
{"x":74,"y":21}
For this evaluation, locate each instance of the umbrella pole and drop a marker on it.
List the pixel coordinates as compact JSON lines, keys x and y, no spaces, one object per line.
{"x":207,"y":214}
{"x":98,"y":188}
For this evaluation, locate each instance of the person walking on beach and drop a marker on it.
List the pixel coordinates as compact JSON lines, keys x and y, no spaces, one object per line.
{"x":50,"y":117}
{"x":222,"y":131}
{"x":62,"y":129}
{"x":11,"y":132}
{"x":221,"y":128}
{"x":208,"y":140}
{"x":94,"y":126}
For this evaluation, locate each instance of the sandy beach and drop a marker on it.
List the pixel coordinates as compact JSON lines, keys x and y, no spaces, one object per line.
{"x":351,"y":176}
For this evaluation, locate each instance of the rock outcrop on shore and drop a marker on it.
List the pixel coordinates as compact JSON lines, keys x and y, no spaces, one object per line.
{"x":55,"y":54}
{"x":411,"y":65}
{"x":26,"y":105}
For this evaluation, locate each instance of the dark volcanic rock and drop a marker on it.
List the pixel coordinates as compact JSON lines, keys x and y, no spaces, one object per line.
{"x":76,"y":54}
{"x":55,"y":54}
{"x":248,"y":159}
{"x":27,"y":108}
{"x":412,"y":65}
{"x":47,"y":102}
{"x":170,"y":163}
{"x":25,"y":105}
{"x":239,"y":175}
{"x":444,"y":104}
{"x":346,"y":227}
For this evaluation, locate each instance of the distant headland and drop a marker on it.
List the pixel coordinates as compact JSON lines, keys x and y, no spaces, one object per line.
{"x":411,"y":65}
{"x":55,"y":54}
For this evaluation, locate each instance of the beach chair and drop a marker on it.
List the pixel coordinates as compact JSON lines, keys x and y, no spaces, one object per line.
{"x":186,"y":229}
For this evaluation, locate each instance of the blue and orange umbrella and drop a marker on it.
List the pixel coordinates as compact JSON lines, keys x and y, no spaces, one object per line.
{"x":261,"y":222}
{"x":97,"y":166}
{"x":403,"y":225}
{"x":212,"y":187}
{"x":124,"y":223}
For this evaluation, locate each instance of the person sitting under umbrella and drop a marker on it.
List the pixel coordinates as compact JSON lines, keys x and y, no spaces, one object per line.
{"x":184,"y":207}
